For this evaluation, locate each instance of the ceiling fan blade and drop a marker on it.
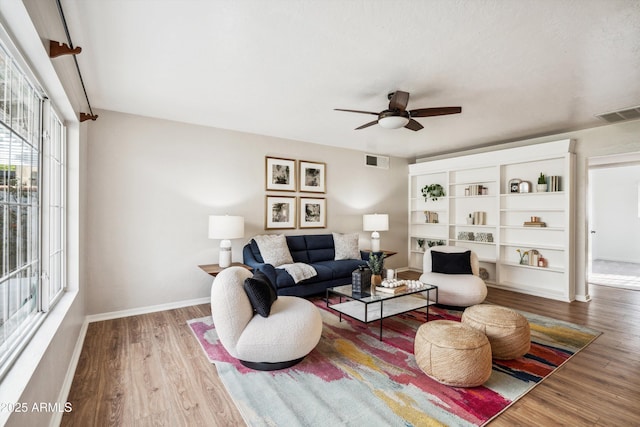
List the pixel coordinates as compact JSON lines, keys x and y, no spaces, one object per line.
{"x":437,"y":111}
{"x":355,"y":111}
{"x":399,"y":100}
{"x":413,"y":125}
{"x":367,"y":125}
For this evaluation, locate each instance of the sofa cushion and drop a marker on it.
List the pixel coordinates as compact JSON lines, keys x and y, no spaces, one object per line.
{"x":451,"y":263}
{"x":274,"y":249}
{"x":260,"y":292}
{"x":346,"y":246}
{"x":255,"y":251}
{"x":341,"y":268}
{"x":298,"y":248}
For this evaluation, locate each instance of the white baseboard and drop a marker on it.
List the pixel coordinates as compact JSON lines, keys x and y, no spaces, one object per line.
{"x":145,"y":310}
{"x":56,"y":419}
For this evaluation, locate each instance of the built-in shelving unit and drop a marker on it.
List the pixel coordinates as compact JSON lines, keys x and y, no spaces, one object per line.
{"x":481,"y":212}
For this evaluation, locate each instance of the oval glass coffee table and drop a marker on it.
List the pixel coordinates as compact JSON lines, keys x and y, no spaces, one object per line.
{"x":367,"y":308}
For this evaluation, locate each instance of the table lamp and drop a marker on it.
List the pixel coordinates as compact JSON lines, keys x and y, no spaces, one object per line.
{"x":375,"y":223}
{"x":225,"y":227}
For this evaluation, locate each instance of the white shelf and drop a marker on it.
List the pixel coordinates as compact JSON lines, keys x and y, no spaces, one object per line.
{"x":524,"y":227}
{"x":534,"y":193}
{"x":371,"y":312}
{"x":533,"y":245}
{"x":535,"y":267}
{"x":473,"y":225}
{"x":473,"y":182}
{"x":531,"y":210}
{"x":479,"y":196}
{"x":472,"y":241}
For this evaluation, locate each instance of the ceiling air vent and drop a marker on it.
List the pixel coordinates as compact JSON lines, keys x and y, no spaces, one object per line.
{"x":381,"y":162}
{"x":620,"y":115}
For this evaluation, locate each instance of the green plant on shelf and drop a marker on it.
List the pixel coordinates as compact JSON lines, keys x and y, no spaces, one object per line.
{"x":542,"y":179}
{"x":433,"y":192}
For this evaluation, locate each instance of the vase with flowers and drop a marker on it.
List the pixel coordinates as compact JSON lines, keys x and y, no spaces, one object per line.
{"x":524,"y":257}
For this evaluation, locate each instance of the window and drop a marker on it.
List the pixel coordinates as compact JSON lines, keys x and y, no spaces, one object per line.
{"x":31,"y":220}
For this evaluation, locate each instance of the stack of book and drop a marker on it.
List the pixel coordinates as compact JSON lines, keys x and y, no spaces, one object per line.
{"x":396,"y":290}
{"x":553,"y":183}
{"x":479,"y":218}
{"x":535,"y":224}
{"x":431,"y":217}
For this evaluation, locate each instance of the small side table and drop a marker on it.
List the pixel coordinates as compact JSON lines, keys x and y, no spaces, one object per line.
{"x":215,"y":269}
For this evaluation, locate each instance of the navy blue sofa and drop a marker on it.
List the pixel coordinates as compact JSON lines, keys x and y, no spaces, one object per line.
{"x":317,"y":250}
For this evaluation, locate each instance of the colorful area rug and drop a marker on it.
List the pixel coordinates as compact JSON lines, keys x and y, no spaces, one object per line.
{"x":352,"y":379}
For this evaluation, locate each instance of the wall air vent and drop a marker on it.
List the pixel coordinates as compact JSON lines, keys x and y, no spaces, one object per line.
{"x":374,"y":161}
{"x":632,"y":113}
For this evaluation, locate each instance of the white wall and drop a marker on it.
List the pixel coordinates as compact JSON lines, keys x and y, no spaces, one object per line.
{"x":152,"y":184}
{"x":615,"y":215}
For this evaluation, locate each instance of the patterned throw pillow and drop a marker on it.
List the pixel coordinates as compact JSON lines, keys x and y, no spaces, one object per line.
{"x":346,"y":246}
{"x":274,"y":249}
{"x":261,"y":294}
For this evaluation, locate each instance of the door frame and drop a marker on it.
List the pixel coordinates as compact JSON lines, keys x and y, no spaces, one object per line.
{"x":602,"y":162}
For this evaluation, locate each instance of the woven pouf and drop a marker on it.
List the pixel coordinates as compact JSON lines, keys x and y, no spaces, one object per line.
{"x":507,"y":330}
{"x":452,"y":353}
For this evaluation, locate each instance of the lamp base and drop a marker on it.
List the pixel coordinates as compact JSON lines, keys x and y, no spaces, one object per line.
{"x":375,"y":242}
{"x":225,"y":254}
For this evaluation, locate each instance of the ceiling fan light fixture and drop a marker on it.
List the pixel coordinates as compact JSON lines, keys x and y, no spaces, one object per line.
{"x":393,"y":120}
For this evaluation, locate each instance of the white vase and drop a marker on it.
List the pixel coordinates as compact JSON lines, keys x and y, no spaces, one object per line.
{"x":542,"y":188}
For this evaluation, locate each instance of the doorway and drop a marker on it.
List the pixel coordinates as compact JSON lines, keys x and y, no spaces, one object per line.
{"x":614,"y":221}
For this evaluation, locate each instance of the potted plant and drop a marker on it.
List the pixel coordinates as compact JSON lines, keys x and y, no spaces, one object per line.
{"x":433,"y":192}
{"x":375,"y":263}
{"x":421,"y":244}
{"x":542,"y":183}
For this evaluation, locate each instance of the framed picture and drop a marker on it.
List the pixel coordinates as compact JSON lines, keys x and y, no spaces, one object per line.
{"x":313,"y":177}
{"x":280,"y":212}
{"x":514,"y":185}
{"x":281,"y":174}
{"x":313,"y":212}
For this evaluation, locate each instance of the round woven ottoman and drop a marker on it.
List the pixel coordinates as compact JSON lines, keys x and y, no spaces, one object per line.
{"x":452,"y":353}
{"x":507,"y":330}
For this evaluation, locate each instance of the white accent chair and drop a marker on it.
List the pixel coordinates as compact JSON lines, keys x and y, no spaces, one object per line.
{"x":458,"y":290}
{"x":283,"y":339}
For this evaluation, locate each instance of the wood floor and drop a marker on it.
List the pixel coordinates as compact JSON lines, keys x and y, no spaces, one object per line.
{"x":149,"y":370}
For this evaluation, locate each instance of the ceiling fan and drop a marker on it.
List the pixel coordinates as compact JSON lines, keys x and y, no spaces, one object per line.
{"x":397,"y":116}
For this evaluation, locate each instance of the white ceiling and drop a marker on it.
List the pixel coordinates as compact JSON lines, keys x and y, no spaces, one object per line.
{"x":518,"y":68}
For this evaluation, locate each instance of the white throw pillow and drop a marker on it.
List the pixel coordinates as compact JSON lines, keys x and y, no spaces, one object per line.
{"x":346,"y":246}
{"x":274,"y":249}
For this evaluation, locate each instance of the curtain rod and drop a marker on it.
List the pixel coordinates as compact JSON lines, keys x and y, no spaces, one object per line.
{"x":66,"y":30}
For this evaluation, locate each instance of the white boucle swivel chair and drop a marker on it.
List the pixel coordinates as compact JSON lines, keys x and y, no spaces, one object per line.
{"x":282,"y":339}
{"x":459,"y":290}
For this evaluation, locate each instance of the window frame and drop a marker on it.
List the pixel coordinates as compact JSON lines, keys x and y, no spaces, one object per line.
{"x":49,"y":290}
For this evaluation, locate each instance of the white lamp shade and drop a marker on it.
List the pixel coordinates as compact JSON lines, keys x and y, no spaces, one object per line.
{"x":226,"y":227}
{"x":375,"y":222}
